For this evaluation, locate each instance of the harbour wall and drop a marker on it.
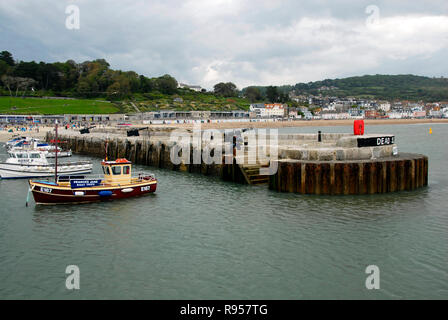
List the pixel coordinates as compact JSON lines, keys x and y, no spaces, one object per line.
{"x":333,"y":166}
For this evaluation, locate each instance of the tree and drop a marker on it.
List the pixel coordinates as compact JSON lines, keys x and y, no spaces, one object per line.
{"x":7,"y":57}
{"x":283,"y":97}
{"x":26,"y":69}
{"x":253,"y":94}
{"x":166,"y":84}
{"x":146,"y":84}
{"x":17,"y":83}
{"x":83,"y":88}
{"x":26,"y":83}
{"x":113,"y":92}
{"x":272,"y":94}
{"x":228,"y":89}
{"x":9,"y":82}
{"x":3,"y":68}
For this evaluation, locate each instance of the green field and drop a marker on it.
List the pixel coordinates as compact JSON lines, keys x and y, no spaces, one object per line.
{"x":55,"y":106}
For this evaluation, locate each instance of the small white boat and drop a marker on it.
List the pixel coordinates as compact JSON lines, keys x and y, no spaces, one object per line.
{"x":32,"y":144}
{"x":31,"y":164}
{"x":16,"y":141}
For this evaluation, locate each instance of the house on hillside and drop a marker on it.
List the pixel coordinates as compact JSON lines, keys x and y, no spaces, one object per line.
{"x":191,"y":87}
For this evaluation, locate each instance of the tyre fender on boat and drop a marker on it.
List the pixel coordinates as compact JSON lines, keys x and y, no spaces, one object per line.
{"x":105,"y":193}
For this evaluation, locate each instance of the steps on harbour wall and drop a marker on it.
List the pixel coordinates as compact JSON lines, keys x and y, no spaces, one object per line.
{"x":252,"y":174}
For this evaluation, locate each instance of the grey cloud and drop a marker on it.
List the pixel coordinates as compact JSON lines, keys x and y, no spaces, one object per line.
{"x":248,"y":42}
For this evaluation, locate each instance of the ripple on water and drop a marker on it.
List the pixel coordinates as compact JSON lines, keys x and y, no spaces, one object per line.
{"x":201,"y":238}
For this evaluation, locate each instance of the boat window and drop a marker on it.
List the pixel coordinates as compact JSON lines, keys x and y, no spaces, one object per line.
{"x":116,"y":170}
{"x":104,"y":169}
{"x":126,"y":169}
{"x":22,"y":155}
{"x":12,"y":155}
{"x":108,"y":170}
{"x":34,"y":156}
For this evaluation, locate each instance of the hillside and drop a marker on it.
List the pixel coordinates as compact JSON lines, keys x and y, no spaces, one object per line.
{"x":390,"y":87}
{"x":85,"y":82}
{"x":96,"y":88}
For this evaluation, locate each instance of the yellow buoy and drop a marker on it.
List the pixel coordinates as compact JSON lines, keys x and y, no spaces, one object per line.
{"x":430,"y":130}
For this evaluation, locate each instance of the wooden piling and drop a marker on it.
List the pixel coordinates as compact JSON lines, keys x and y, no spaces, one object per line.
{"x":404,"y":172}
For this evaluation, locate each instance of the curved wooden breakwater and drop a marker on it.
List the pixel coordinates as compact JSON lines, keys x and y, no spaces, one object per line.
{"x":338,"y":165}
{"x":399,"y":173}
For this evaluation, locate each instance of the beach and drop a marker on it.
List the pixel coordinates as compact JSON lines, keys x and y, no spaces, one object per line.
{"x":298,"y":123}
{"x":5,"y":135}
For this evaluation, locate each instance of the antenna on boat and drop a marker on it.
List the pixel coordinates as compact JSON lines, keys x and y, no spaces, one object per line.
{"x":56,"y":153}
{"x":105,"y":150}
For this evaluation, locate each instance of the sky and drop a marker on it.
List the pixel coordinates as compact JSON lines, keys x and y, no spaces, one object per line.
{"x":264,"y":42}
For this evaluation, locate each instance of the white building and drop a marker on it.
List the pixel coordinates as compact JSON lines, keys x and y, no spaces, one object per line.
{"x":273,"y":110}
{"x":257,"y":108}
{"x":385,"y":106}
{"x":187,"y":86}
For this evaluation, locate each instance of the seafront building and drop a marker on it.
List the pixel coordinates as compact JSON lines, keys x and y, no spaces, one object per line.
{"x":325,"y":108}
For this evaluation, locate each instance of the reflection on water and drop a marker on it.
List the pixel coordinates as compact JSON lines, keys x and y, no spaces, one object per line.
{"x":201,"y":238}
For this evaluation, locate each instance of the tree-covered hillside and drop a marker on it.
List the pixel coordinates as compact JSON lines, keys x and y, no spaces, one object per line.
{"x":403,"y":87}
{"x":95,"y":79}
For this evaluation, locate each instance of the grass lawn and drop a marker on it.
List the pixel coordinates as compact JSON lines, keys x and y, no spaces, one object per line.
{"x":54,"y":106}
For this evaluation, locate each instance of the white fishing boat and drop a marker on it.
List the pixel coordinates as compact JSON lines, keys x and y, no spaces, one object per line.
{"x":15,"y":141}
{"x":32,"y":144}
{"x":31,"y":164}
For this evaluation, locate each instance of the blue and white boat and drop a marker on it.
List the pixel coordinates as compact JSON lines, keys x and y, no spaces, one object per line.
{"x":32,"y":164}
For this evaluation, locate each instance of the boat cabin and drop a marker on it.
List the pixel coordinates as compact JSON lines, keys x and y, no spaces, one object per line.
{"x":26,"y":157}
{"x":117,"y":172}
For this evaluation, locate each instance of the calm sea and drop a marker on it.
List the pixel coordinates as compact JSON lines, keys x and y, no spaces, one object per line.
{"x":201,"y":238}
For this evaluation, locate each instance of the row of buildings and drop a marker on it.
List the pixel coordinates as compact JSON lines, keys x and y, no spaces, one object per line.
{"x":346,"y":108}
{"x":317,"y":108}
{"x":146,"y":117}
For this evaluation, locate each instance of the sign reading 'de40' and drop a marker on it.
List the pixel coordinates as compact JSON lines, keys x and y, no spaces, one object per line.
{"x":375,"y":141}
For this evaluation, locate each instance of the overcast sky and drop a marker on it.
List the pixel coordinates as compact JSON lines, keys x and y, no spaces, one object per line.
{"x":266,"y":42}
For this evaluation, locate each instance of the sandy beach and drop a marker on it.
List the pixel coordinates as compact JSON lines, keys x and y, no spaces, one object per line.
{"x":298,"y":123}
{"x":5,"y":135}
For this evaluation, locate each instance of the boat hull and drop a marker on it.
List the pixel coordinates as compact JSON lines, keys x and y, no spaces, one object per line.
{"x":48,"y":193}
{"x":17,"y":171}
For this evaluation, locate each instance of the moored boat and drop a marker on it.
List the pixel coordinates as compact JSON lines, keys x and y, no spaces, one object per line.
{"x":13,"y":141}
{"x":31,"y":144}
{"x":32,"y":164}
{"x":117,"y":183}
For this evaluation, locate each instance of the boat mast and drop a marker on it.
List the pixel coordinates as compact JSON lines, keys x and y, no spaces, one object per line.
{"x":105,"y":151}
{"x":56,"y":153}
